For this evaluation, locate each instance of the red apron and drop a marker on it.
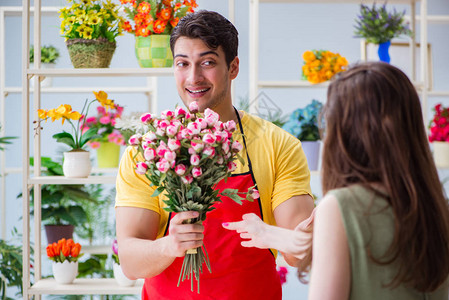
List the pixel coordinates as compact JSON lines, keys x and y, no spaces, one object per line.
{"x":237,"y":272}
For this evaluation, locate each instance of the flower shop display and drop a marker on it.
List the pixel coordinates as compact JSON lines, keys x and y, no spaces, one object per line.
{"x":378,"y":26}
{"x":130,"y":125}
{"x":303,"y":123}
{"x":152,"y":22}
{"x":90,"y":28}
{"x":76,"y":161}
{"x":49,"y":55}
{"x":439,"y":135}
{"x":119,"y":276}
{"x":64,"y":255}
{"x":109,"y":138}
{"x":321,"y":65}
{"x":185,"y":154}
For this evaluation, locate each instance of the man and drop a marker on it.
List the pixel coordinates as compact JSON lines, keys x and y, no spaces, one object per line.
{"x":152,"y":243}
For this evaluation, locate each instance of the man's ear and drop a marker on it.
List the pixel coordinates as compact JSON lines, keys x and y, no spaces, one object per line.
{"x":234,"y":68}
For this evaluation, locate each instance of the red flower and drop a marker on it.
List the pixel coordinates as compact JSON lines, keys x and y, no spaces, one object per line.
{"x":144,"y":8}
{"x":159,"y":26}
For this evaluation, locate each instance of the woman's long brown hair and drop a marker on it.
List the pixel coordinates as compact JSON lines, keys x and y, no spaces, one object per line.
{"x":375,"y":134}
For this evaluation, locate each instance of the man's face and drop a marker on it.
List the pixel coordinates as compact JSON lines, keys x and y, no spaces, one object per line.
{"x":202,"y":75}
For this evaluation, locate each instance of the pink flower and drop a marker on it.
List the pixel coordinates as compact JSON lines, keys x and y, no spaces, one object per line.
{"x":209,"y":138}
{"x":187,"y":179}
{"x":193,"y":107}
{"x":184,"y":134}
{"x":231,"y":166}
{"x":105,"y":120}
{"x":197,"y":145}
{"x":170,"y":156}
{"x":189,"y":116}
{"x":146,"y":118}
{"x":254,"y":194}
{"x":172,"y":130}
{"x":149,"y":154}
{"x":163,"y":165}
{"x":192,"y":151}
{"x":196,"y":172}
{"x":236,"y":146}
{"x":161,"y":150}
{"x":163,"y":124}
{"x":195,"y":160}
{"x":282,"y":271}
{"x":220,"y":160}
{"x":150,"y":135}
{"x":141,"y":168}
{"x":160,"y":131}
{"x":225,"y":147}
{"x":94,"y":145}
{"x":230,"y":126}
{"x":209,"y":151}
{"x":194,"y":127}
{"x":91,"y":120}
{"x":211,"y":117}
{"x":167,"y":114}
{"x":173,"y":144}
{"x":180,"y":112}
{"x":135,"y":139}
{"x":100,"y":110}
{"x":180,"y":169}
{"x":119,"y":110}
{"x":202,"y":123}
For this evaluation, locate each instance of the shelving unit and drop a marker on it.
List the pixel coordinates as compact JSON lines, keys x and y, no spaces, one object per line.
{"x":255,"y":84}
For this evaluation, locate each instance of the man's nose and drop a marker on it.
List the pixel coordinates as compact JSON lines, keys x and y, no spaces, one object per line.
{"x":196,"y":75}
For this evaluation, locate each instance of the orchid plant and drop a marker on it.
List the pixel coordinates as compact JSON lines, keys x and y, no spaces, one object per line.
{"x":79,"y":138}
{"x":184,"y":154}
{"x":64,"y":250}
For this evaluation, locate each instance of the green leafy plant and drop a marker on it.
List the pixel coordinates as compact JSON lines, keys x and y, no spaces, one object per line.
{"x":303,"y":122}
{"x":49,"y":54}
{"x":378,"y":26}
{"x":5,"y":140}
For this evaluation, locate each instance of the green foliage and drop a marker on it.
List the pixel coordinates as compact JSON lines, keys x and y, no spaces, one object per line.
{"x":5,"y":140}
{"x":303,"y":123}
{"x":49,"y":54}
{"x":378,"y":26}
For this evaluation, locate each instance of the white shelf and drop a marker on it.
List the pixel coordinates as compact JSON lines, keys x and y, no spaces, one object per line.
{"x":84,"y":89}
{"x":102,"y":72}
{"x":439,"y":93}
{"x":85,"y":286}
{"x":290,"y":84}
{"x":337,"y":1}
{"x":65,"y":180}
{"x":94,"y":170}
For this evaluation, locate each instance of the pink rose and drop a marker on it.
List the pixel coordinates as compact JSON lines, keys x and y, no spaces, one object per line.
{"x":189,"y":116}
{"x":209,"y":151}
{"x":197,"y":145}
{"x":173,"y":144}
{"x":105,"y":120}
{"x":187,"y":179}
{"x":163,"y":165}
{"x":160,"y":131}
{"x":211,"y":117}
{"x":193,"y":107}
{"x":209,"y":138}
{"x":231,"y":166}
{"x":135,"y":139}
{"x":195,"y":160}
{"x":180,"y":169}
{"x":149,"y":154}
{"x":170,"y":155}
{"x":192,"y":151}
{"x":184,"y":134}
{"x":161,"y":150}
{"x":196,"y":172}
{"x":220,"y":160}
{"x":225,"y":147}
{"x":254,"y":194}
{"x":91,"y":120}
{"x":163,"y":124}
{"x":202,"y":123}
{"x":141,"y":168}
{"x":194,"y":127}
{"x":150,"y":135}
{"x":172,"y":131}
{"x":167,"y":114}
{"x":236,"y":146}
{"x":146,"y":118}
{"x":180,"y":112}
{"x":230,"y":126}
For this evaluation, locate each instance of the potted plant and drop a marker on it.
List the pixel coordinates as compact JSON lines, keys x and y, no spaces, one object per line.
{"x":64,"y":255}
{"x":90,"y":28}
{"x":49,"y":55}
{"x":153,"y":21}
{"x":109,"y":138}
{"x":76,"y":161}
{"x":439,"y":135}
{"x":303,"y":124}
{"x":378,"y":26}
{"x":119,"y":276}
{"x":321,"y":65}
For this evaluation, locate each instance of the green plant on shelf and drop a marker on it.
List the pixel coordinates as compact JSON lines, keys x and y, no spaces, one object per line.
{"x":49,"y":54}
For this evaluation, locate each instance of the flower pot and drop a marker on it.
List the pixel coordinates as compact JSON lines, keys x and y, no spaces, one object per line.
{"x":90,"y":53}
{"x":441,"y":154}
{"x":56,"y":232}
{"x":154,"y":51}
{"x":312,"y":152}
{"x":108,"y":155}
{"x":65,"y":272}
{"x":382,"y":51}
{"x":121,"y":279}
{"x":76,"y":164}
{"x":47,"y":81}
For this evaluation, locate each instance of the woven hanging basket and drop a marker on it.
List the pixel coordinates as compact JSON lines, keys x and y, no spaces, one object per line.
{"x":90,"y":53}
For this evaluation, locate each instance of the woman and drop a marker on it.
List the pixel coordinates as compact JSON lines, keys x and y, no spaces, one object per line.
{"x":382,"y":229}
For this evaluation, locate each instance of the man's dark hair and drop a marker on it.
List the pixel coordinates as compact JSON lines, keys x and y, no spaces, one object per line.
{"x":212,"y":28}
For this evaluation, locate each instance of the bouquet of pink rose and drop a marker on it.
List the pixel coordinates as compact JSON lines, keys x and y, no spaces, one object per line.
{"x":185,"y":153}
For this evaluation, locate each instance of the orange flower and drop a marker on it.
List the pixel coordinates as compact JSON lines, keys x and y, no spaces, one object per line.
{"x":177,"y":6}
{"x":75,"y":250}
{"x":50,"y":252}
{"x":66,"y":250}
{"x":165,"y":14}
{"x":142,"y":31}
{"x":308,"y":56}
{"x":174,"y":22}
{"x":144,"y":8}
{"x":127,"y":26}
{"x":159,"y":26}
{"x":167,"y":2}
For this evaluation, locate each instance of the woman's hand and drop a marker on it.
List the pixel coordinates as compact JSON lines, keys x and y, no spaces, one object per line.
{"x":253,"y":229}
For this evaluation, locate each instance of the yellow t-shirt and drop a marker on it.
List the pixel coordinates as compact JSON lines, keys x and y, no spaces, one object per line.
{"x":278,"y":162}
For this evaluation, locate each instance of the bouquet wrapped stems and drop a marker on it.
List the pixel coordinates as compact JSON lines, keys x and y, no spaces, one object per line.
{"x":193,"y":266}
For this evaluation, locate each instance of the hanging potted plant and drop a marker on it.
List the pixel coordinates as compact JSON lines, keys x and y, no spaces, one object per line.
{"x":439,"y":135}
{"x":76,"y":161}
{"x":303,"y":124}
{"x":49,"y":55}
{"x":119,"y":276}
{"x":110,"y":139}
{"x":152,"y":22}
{"x":90,"y":28}
{"x":378,"y":26}
{"x":64,"y":255}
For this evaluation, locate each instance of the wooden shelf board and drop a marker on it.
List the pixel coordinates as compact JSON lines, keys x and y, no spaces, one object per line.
{"x":85,"y":286}
{"x":102,"y":72}
{"x":290,"y":84}
{"x":66,"y":180}
{"x":115,"y":89}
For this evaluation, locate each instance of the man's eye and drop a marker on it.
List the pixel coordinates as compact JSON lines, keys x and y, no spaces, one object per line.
{"x":181,"y":64}
{"x":208,"y":63}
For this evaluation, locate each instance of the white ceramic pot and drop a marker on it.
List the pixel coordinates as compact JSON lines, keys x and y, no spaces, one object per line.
{"x":48,"y":81}
{"x":65,"y":272}
{"x":312,"y":153}
{"x":76,"y":164}
{"x":441,"y":154}
{"x":121,"y":279}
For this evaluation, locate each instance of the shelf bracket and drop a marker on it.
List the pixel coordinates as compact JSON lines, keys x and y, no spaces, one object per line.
{"x":29,"y":76}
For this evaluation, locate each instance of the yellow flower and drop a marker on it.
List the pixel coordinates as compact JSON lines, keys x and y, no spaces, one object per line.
{"x":87,"y":34}
{"x":102,"y":97}
{"x":321,"y":65}
{"x":94,"y":20}
{"x":308,"y":56}
{"x":42,"y":113}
